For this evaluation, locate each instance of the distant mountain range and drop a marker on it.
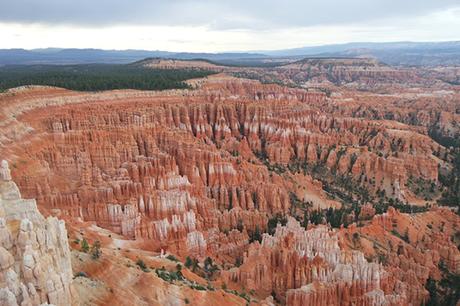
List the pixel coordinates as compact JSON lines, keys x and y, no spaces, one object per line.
{"x":395,"y":53}
{"x":89,"y":56}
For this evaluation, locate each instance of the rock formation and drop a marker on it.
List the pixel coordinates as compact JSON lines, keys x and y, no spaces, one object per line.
{"x":205,"y":172}
{"x":34,"y":251}
{"x":310,"y":268}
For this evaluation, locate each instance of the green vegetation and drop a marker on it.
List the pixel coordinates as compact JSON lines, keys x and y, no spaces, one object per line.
{"x":209,"y":268}
{"x":141,"y":264}
{"x":188,"y":262}
{"x":97,"y":77}
{"x":382,"y":206}
{"x":341,"y":187}
{"x":243,"y":294}
{"x":273,"y":222}
{"x":422,"y":188}
{"x":382,"y":259}
{"x":96,"y":250}
{"x":444,"y":292}
{"x":299,"y":208}
{"x":351,"y":192}
{"x":235,"y":153}
{"x":169,"y":276}
{"x":172,"y":258}
{"x":238,"y":261}
{"x":263,"y":157}
{"x":191,"y":263}
{"x":404,"y":237}
{"x":240,"y":225}
{"x":177,"y":276}
{"x":84,"y":246}
{"x":447,"y":141}
{"x":451,"y":183}
{"x":81,"y":274}
{"x":335,"y":217}
{"x":255,"y":235}
{"x":431,"y":287}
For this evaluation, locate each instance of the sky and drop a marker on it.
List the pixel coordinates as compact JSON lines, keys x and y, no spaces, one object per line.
{"x":222,"y":25}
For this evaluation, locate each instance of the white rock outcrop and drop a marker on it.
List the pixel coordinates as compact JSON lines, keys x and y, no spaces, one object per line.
{"x":35,"y":265}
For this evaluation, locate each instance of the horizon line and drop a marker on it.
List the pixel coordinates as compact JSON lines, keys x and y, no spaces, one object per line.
{"x":252,"y":51}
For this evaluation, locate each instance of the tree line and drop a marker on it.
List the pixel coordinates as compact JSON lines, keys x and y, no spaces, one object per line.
{"x":97,"y":77}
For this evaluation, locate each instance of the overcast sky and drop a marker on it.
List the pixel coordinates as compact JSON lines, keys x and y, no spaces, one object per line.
{"x":222,"y":25}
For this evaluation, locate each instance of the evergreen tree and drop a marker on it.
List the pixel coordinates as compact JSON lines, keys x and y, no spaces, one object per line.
{"x":188,"y":262}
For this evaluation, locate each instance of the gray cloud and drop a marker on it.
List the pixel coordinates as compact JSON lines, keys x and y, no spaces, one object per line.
{"x":218,"y":14}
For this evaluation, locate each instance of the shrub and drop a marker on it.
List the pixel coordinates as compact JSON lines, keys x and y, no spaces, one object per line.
{"x":169,"y":276}
{"x":273,"y":222}
{"x":207,"y":263}
{"x":81,"y":274}
{"x":96,"y":250}
{"x":240,"y":225}
{"x":239,"y":261}
{"x":84,"y":246}
{"x":255,"y":235}
{"x":197,"y":286}
{"x":172,"y":258}
{"x":245,"y":296}
{"x":141,"y":264}
{"x":188,"y":262}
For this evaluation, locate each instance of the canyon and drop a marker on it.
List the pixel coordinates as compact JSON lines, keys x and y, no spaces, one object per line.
{"x":317,"y":182}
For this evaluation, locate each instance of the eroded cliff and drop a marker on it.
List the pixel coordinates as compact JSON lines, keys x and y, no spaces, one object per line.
{"x":34,"y":251}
